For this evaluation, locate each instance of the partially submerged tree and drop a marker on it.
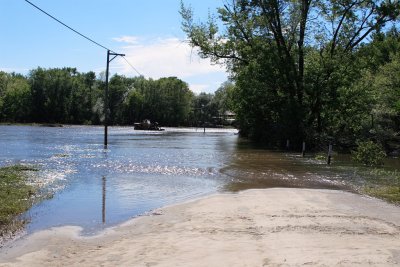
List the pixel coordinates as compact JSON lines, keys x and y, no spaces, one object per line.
{"x":289,"y":58}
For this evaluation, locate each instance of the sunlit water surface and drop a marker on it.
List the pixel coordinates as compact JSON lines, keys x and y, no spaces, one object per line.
{"x":94,"y":187}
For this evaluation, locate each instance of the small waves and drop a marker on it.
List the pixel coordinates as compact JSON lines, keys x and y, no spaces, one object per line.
{"x":129,"y":168}
{"x":94,"y":187}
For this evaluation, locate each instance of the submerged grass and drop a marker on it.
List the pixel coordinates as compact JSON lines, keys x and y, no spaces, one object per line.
{"x":380,"y":181}
{"x":384,"y":184}
{"x":389,"y":193}
{"x":16,"y":197}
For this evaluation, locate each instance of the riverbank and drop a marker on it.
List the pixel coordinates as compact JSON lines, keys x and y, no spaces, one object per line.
{"x":269,"y":227}
{"x":16,"y":197}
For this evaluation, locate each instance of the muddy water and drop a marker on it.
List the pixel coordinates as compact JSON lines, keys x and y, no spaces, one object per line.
{"x":263,"y":168}
{"x":93,"y":187}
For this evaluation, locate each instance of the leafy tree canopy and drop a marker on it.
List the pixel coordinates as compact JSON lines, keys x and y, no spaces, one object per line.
{"x":296,"y":63}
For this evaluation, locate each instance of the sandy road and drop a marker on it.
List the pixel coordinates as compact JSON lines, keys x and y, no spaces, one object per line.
{"x":270,"y":227}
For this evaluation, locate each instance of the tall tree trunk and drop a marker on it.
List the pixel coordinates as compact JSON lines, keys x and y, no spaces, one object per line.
{"x":305,"y":7}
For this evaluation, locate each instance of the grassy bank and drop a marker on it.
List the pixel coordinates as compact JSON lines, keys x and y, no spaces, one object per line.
{"x":377,"y":181}
{"x":383,"y":184}
{"x":16,"y":197}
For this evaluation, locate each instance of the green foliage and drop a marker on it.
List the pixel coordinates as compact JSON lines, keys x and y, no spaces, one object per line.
{"x":389,"y":193}
{"x":369,"y":153}
{"x":223,"y":97}
{"x":68,"y":96}
{"x":62,"y":95}
{"x":299,"y":78}
{"x":166,"y":101}
{"x":15,"y":194}
{"x":383,"y":184}
{"x":320,"y":156}
{"x":132,"y":107}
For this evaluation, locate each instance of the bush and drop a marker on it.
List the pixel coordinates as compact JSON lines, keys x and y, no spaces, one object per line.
{"x":369,"y":153}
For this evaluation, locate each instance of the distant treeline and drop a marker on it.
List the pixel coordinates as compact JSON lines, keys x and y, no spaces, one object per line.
{"x":71,"y":97}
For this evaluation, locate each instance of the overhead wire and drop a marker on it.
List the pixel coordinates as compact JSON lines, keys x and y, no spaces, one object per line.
{"x":132,"y":66}
{"x":82,"y":35}
{"x":65,"y":25}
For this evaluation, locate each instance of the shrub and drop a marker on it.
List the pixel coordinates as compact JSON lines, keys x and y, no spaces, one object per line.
{"x":369,"y":153}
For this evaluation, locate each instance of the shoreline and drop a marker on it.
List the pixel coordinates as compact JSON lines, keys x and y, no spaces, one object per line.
{"x":251,"y":228}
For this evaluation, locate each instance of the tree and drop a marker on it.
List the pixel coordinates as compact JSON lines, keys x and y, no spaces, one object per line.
{"x":63,"y":95}
{"x":133,"y":107}
{"x":223,"y":97}
{"x":16,"y":100}
{"x":118,"y":90}
{"x":288,"y":58}
{"x":3,"y":87}
{"x":385,"y":114}
{"x":174,"y":101}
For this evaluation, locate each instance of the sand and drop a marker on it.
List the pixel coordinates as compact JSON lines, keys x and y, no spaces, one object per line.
{"x":270,"y":227}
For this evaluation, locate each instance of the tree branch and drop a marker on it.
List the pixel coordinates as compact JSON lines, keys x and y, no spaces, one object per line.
{"x":339,"y":27}
{"x":239,"y":26}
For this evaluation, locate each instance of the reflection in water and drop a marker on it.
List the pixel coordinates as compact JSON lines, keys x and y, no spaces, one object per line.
{"x":139,"y":170}
{"x":142,"y":170}
{"x":103,"y":209}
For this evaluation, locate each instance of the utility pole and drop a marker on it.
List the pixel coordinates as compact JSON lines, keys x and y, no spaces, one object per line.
{"x":106,"y":105}
{"x":204,"y":120}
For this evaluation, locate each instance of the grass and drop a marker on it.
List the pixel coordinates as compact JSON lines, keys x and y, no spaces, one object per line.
{"x":389,"y":193}
{"x":61,"y":155}
{"x":384,"y":184}
{"x":16,"y":196}
{"x":381,"y":182}
{"x":321,"y":156}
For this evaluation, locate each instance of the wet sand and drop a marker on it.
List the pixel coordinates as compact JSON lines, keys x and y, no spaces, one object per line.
{"x":269,"y":227}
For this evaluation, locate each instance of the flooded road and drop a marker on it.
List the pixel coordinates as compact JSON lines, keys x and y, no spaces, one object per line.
{"x":94,"y":188}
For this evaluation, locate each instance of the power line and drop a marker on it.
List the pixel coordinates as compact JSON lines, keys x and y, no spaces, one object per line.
{"x":132,"y":66}
{"x":82,"y":35}
{"x":65,"y":25}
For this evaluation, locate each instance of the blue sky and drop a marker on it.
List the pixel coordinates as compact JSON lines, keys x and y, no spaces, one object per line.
{"x":148,"y":32}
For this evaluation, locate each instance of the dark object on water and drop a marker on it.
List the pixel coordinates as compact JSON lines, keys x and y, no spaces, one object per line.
{"x":51,"y":125}
{"x":146,"y":125}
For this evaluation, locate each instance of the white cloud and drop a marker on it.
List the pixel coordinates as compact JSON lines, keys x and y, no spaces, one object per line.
{"x":165,"y":57}
{"x":127,"y":39}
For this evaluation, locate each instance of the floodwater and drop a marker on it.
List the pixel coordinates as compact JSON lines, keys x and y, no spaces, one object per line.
{"x":94,"y":187}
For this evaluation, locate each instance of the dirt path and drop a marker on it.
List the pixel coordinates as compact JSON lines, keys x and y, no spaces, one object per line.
{"x":271,"y":227}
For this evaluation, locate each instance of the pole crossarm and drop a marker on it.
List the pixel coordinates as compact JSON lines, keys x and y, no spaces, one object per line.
{"x":115,"y":55}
